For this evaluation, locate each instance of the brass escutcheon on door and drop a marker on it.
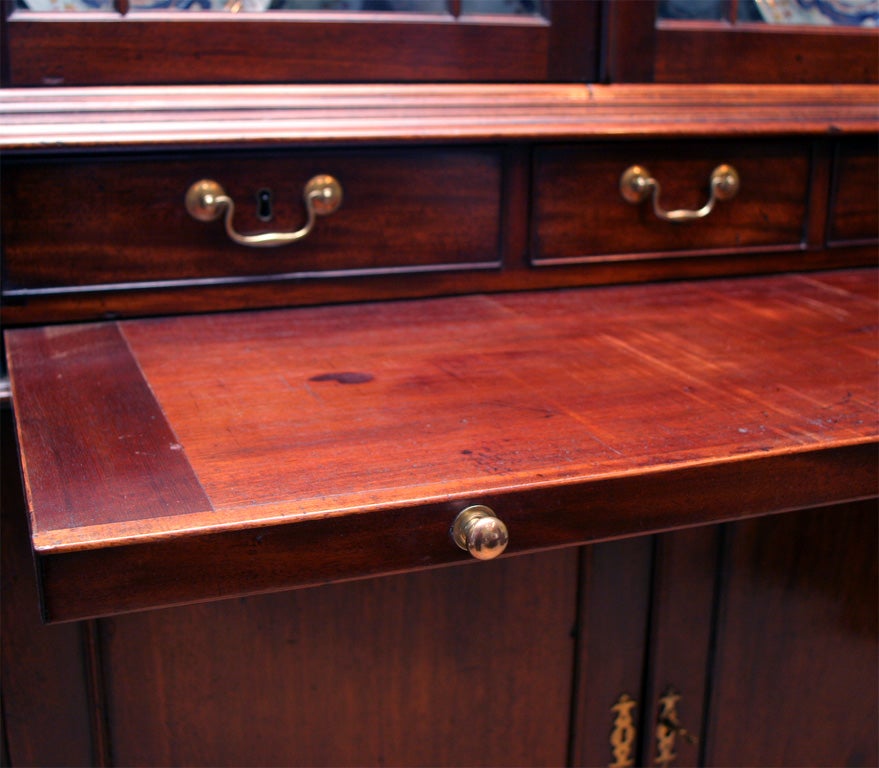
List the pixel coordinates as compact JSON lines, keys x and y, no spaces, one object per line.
{"x":668,"y":728}
{"x":624,"y":733}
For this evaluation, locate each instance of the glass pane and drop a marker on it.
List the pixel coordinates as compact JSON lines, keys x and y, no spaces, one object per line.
{"x":65,"y":5}
{"x":848,"y":13}
{"x":245,"y":6}
{"x":852,"y":13}
{"x":404,"y":6}
{"x":710,"y":10}
{"x":250,"y":6}
{"x":507,"y":7}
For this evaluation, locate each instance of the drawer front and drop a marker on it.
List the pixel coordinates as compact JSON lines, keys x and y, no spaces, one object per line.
{"x":581,"y":215}
{"x":123,"y":221}
{"x":854,"y":214}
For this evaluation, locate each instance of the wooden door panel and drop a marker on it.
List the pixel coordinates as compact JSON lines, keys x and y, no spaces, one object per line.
{"x":614,"y":623}
{"x":854,"y":212}
{"x":684,"y":589}
{"x":794,"y":678}
{"x":46,"y":710}
{"x":468,"y":665}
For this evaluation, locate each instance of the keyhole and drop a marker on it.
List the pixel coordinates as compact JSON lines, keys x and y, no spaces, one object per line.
{"x":264,"y":204}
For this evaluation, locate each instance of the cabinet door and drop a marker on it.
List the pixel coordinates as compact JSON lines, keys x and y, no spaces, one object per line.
{"x":774,"y":659}
{"x":741,"y":41}
{"x":793,"y":680}
{"x":461,"y":666}
{"x":130,"y":42}
{"x":43,"y":670}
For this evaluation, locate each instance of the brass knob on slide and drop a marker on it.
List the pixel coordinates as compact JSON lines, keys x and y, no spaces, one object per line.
{"x":479,"y":531}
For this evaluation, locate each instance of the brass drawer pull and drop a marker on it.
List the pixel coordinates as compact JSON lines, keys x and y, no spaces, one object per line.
{"x":636,"y":184}
{"x":479,"y":531}
{"x":206,"y":200}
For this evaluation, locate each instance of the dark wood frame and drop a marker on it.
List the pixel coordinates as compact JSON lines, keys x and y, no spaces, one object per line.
{"x":641,"y":49}
{"x":145,"y":49}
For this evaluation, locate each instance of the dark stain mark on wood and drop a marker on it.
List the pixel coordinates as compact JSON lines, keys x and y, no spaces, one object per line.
{"x":344,"y":377}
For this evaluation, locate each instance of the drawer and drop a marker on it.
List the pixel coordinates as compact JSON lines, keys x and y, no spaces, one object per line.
{"x":580,"y":214}
{"x":854,"y":212}
{"x":119,"y":223}
{"x":180,"y":459}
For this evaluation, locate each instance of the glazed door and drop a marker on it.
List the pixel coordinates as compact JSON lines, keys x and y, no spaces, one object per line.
{"x":741,"y":41}
{"x":162,"y":42}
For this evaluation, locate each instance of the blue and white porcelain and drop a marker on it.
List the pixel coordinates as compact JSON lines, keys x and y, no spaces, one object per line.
{"x":842,"y":13}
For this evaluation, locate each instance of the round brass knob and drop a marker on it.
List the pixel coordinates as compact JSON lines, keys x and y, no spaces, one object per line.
{"x":325,"y":194}
{"x":725,"y":181}
{"x":205,"y":200}
{"x":479,"y":531}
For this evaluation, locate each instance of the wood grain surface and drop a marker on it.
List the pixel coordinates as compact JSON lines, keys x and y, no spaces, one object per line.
{"x":580,"y":414}
{"x":854,"y":215}
{"x":130,"y":225}
{"x":764,"y":53}
{"x":580,"y":215}
{"x":731,"y":50}
{"x":224,"y":116}
{"x":467,"y":666}
{"x":95,"y":444}
{"x":43,"y":683}
{"x":123,"y":246}
{"x":797,"y":642}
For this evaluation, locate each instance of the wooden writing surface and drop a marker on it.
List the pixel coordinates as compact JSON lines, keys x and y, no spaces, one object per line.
{"x":579,"y":415}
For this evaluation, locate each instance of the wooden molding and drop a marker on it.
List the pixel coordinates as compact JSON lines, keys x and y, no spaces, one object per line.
{"x":235,"y":116}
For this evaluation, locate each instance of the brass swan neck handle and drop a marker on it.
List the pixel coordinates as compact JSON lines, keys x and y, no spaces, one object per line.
{"x":206,"y":200}
{"x":636,"y":185}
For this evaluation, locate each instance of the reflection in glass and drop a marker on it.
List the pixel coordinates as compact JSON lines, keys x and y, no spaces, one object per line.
{"x":404,"y":6}
{"x":465,"y":7}
{"x":242,"y":6}
{"x":850,"y":13}
{"x":707,"y":10}
{"x":506,"y":7}
{"x":65,"y":5}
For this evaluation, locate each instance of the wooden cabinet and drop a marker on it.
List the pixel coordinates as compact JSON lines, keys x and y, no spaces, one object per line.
{"x":320,"y":444}
{"x":765,"y":626}
{"x":758,"y":633}
{"x":258,"y":485}
{"x":241,"y":465}
{"x":485,"y":188}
